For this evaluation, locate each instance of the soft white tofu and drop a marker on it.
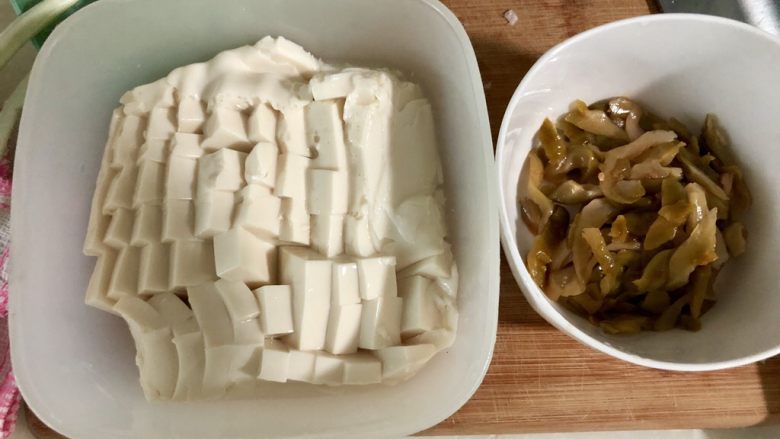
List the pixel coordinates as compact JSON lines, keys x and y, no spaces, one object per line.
{"x":140,"y":315}
{"x":362,"y":368}
{"x":142,"y":99}
{"x":325,"y":86}
{"x":162,"y":124}
{"x":260,"y":166}
{"x":291,"y":232}
{"x":98,"y":222}
{"x":420,"y":311}
{"x":175,"y":312}
{"x":239,"y":300}
{"x":294,"y":209}
{"x":327,"y":234}
{"x":328,"y":369}
{"x":225,"y":128}
{"x":124,"y":279}
{"x":301,"y":365}
{"x":380,"y":323}
{"x":187,"y":145}
{"x":124,"y":157}
{"x":413,"y":135}
{"x":178,"y":221}
{"x":192,"y":362}
{"x":242,"y":256}
{"x":222,"y":170}
{"x":310,"y":279}
{"x":99,"y":282}
{"x":291,"y":132}
{"x":191,"y":263}
{"x":376,"y":277}
{"x":419,"y":230}
{"x":147,"y":226}
{"x":343,"y":329}
{"x":325,"y":133}
{"x":248,"y":332}
{"x":259,"y":211}
{"x":275,"y":362}
{"x":153,"y":270}
{"x":191,"y":115}
{"x":291,"y":176}
{"x":276,"y":309}
{"x":328,"y":192}
{"x":153,"y":150}
{"x":120,"y":190}
{"x":228,"y":366}
{"x":262,"y":124}
{"x":120,"y":229}
{"x":436,"y":266}
{"x":345,"y":286}
{"x":150,"y":183}
{"x":181,"y":178}
{"x":130,"y":133}
{"x":157,"y":363}
{"x":213,"y":212}
{"x":244,"y":368}
{"x":401,"y":362}
{"x":211,"y":313}
{"x":357,"y":236}
{"x":283,"y":50}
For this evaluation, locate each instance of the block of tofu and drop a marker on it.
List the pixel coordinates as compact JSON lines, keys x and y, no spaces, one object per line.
{"x":328,"y":192}
{"x":191,"y":115}
{"x":436,"y":266}
{"x":213,"y":212}
{"x":260,"y":166}
{"x":124,"y":157}
{"x":147,"y":226}
{"x":291,"y":132}
{"x":380,"y":322}
{"x":336,"y":85}
{"x":186,"y":145}
{"x":262,"y":124}
{"x":294,"y":209}
{"x":130,"y":134}
{"x":309,"y":276}
{"x":345,"y":286}
{"x":419,"y":230}
{"x":239,"y":300}
{"x":175,"y":312}
{"x":150,"y":183}
{"x":120,"y":190}
{"x":301,"y":365}
{"x":242,"y":256}
{"x":120,"y":229}
{"x":98,"y":222}
{"x":162,"y":124}
{"x":295,"y":224}
{"x":275,"y":362}
{"x":376,"y":276}
{"x":99,"y":282}
{"x":420,"y":311}
{"x":211,"y":313}
{"x":291,"y":176}
{"x":153,"y":270}
{"x":259,"y":211}
{"x":225,"y":128}
{"x":283,"y":50}
{"x":401,"y":362}
{"x":191,"y":263}
{"x":180,"y":178}
{"x":153,"y":150}
{"x":248,"y":332}
{"x":192,"y":362}
{"x":178,"y":221}
{"x":124,"y":279}
{"x":228,"y":365}
{"x":357,"y":236}
{"x":142,"y":99}
{"x":276,"y":309}
{"x":325,"y":133}
{"x":222,"y":170}
{"x":413,"y":135}
{"x":343,"y":328}
{"x":327,"y":234}
{"x":328,"y":369}
{"x":362,"y":368}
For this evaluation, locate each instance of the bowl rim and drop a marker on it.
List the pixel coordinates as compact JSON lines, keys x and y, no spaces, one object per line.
{"x":538,"y":301}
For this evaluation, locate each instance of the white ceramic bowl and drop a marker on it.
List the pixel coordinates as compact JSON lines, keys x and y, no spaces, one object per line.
{"x":75,"y":364}
{"x":682,"y":66}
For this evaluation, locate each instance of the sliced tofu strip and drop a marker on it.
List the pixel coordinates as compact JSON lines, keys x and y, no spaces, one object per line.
{"x":226,"y":128}
{"x":153,"y":150}
{"x":419,"y":230}
{"x":147,"y":226}
{"x":376,"y":277}
{"x":325,"y":133}
{"x":150,"y":183}
{"x":154,"y":270}
{"x":212,"y":314}
{"x":191,"y":115}
{"x":162,"y":124}
{"x":213,"y":212}
{"x":227,"y":366}
{"x":262,"y":124}
{"x":301,"y":365}
{"x":248,"y":332}
{"x":98,"y":221}
{"x":128,"y":140}
{"x":178,"y":315}
{"x":413,"y":135}
{"x":99,"y":282}
{"x":361,"y":369}
{"x":259,"y":211}
{"x":275,"y":361}
{"x":260,"y":166}
{"x":124,"y":280}
{"x":327,"y":234}
{"x":181,"y":178}
{"x":295,"y":226}
{"x":380,"y":324}
{"x":276,"y":309}
{"x":357,"y":236}
{"x":399,"y":363}
{"x":142,"y":99}
{"x":186,"y":145}
{"x":241,"y":256}
{"x":239,"y":300}
{"x":343,"y":331}
{"x":178,"y":221}
{"x":327,"y":192}
{"x":309,"y":276}
{"x":291,"y":132}
{"x":191,"y":263}
{"x":328,"y":369}
{"x":420,"y":311}
{"x":120,"y":229}
{"x":291,"y":176}
{"x":192,"y":362}
{"x":120,"y":190}
{"x":345,"y":284}
{"x":222,"y":170}
{"x":433,"y":267}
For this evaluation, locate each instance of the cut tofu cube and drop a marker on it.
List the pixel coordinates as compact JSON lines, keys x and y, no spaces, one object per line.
{"x":124,"y":279}
{"x":332,"y":85}
{"x":241,"y":256}
{"x":437,"y":266}
{"x":361,"y":369}
{"x":98,"y":222}
{"x":276,"y":309}
{"x":228,"y":366}
{"x":180,"y":178}
{"x":191,"y":263}
{"x":153,"y":271}
{"x":301,"y":365}
{"x":413,"y":135}
{"x":275,"y":363}
{"x":191,"y":115}
{"x":192,"y":362}
{"x":291,"y":132}
{"x":325,"y":133}
{"x":345,"y":289}
{"x":120,"y":229}
{"x":150,"y":183}
{"x":175,"y":312}
{"x":120,"y":190}
{"x":124,"y":157}
{"x":376,"y":277}
{"x":157,"y":363}
{"x":130,"y":133}
{"x":262,"y":124}
{"x":419,"y":231}
{"x":291,"y":176}
{"x":211,"y":313}
{"x":178,"y":221}
{"x":225,"y":128}
{"x":239,"y":300}
{"x":142,"y":99}
{"x":294,"y":209}
{"x":357,"y":236}
{"x":245,"y":367}
{"x":222,"y":170}
{"x":147,"y":226}
{"x":260,"y":167}
{"x":328,"y":192}
{"x":187,"y":145}
{"x":213,"y":213}
{"x":162,"y":124}
{"x":343,"y":329}
{"x":327,"y":234}
{"x":420,"y":311}
{"x":401,"y":362}
{"x":380,"y":323}
{"x":96,"y":232}
{"x":248,"y":332}
{"x":140,"y":316}
{"x":259,"y":211}
{"x":328,"y":369}
{"x":291,"y":232}
{"x":153,"y":150}
{"x":310,"y":279}
{"x":99,"y":282}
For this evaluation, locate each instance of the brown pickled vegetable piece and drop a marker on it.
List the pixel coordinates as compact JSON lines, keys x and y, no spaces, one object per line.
{"x":716,"y":139}
{"x":721,"y":250}
{"x":632,"y":112}
{"x":735,"y":236}
{"x":652,"y":168}
{"x":541,"y":254}
{"x":656,"y":272}
{"x":664,"y":153}
{"x":563,"y":283}
{"x":595,"y":214}
{"x":624,"y":324}
{"x":571,"y":192}
{"x":741,"y":199}
{"x":672,"y":191}
{"x":698,"y":249}
{"x":578,"y":157}
{"x":590,"y":301}
{"x":639,"y":223}
{"x":700,"y":282}
{"x":656,"y":301}
{"x":594,"y":121}
{"x":536,"y":206}
{"x":697,"y":198}
{"x":619,"y":229}
{"x":681,"y":130}
{"x":660,"y":232}
{"x":669,"y":317}
{"x":552,"y":144}
{"x":676,"y":213}
{"x":696,"y":174}
{"x":604,"y":257}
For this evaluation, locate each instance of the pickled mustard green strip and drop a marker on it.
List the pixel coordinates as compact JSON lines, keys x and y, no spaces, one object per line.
{"x":594,"y":121}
